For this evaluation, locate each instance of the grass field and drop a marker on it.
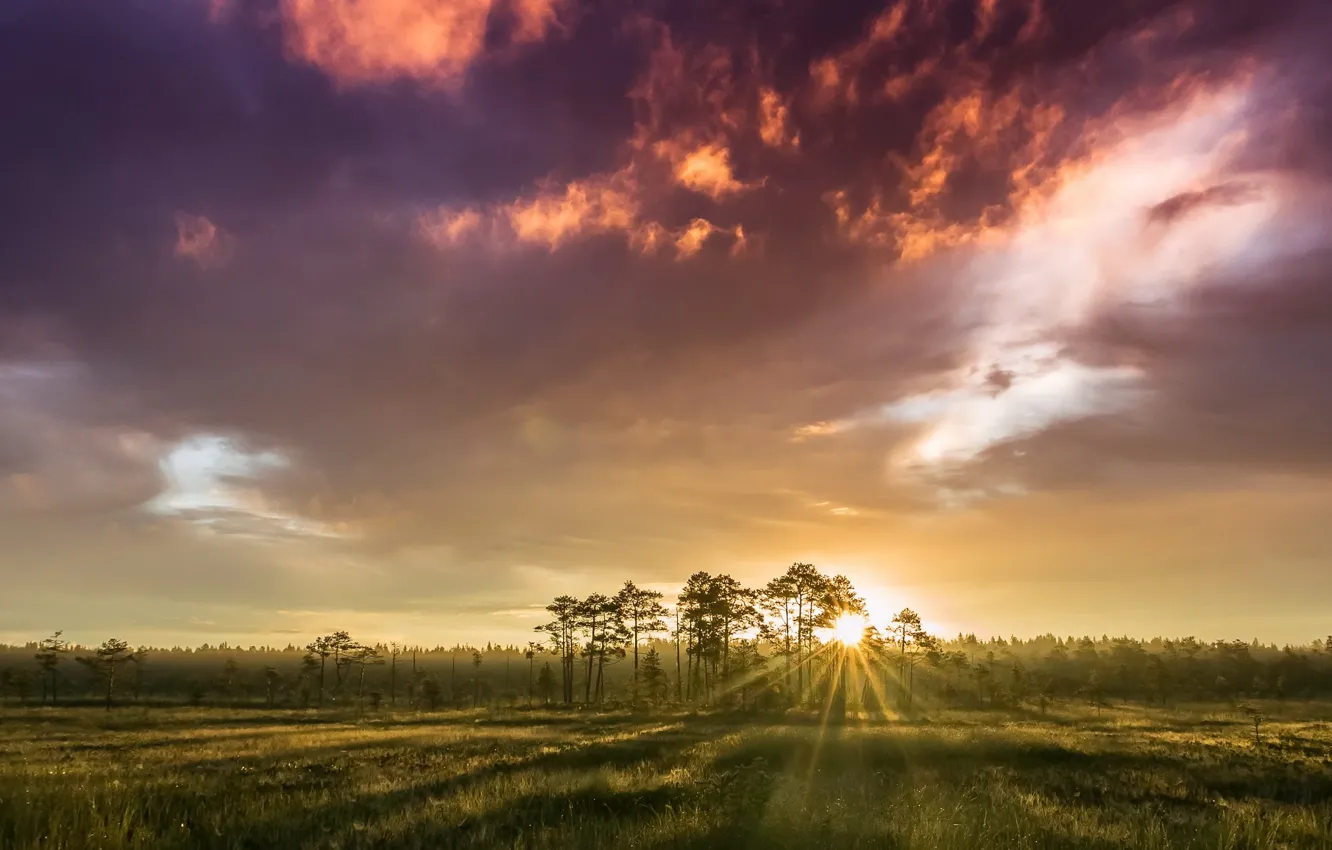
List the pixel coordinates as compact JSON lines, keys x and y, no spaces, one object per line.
{"x":176,"y":778}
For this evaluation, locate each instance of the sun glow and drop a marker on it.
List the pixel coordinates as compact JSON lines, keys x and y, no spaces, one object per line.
{"x":849,"y":629}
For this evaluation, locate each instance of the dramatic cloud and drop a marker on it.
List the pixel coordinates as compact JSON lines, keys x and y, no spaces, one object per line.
{"x":705,"y":169}
{"x":503,"y":295}
{"x":775,"y":121}
{"x":435,"y":41}
{"x":596,"y":206}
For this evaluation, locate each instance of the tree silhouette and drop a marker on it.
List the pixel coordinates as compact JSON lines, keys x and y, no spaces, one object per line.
{"x":50,"y":651}
{"x":923,"y":647}
{"x":532,"y":651}
{"x":320,"y":649}
{"x":909,"y":639}
{"x":747,"y":665}
{"x":16,"y":683}
{"x":336,"y":646}
{"x":839,"y":599}
{"x":609,"y":642}
{"x":595,"y":618}
{"x":137,"y":658}
{"x":777,"y":600}
{"x":653,"y":678}
{"x":546,"y":683}
{"x":643,"y":615}
{"x":230,"y":671}
{"x":562,"y":633}
{"x":431,"y":691}
{"x":806,"y":588}
{"x":361,"y":657}
{"x":714,"y":609}
{"x":106,"y":661}
{"x":476,"y":678}
{"x":311,"y":663}
{"x":272,"y":678}
{"x":394,"y":650}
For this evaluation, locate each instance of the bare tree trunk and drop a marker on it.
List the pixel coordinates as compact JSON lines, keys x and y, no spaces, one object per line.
{"x":633,"y":691}
{"x":690,"y":661}
{"x":800,"y":650}
{"x":591,"y":647}
{"x":787,"y":636}
{"x":678,"y":683}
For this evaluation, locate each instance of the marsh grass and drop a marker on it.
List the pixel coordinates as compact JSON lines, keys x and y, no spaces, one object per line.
{"x":219,"y":779}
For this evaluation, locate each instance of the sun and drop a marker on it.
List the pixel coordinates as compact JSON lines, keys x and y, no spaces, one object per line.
{"x":849,"y":629}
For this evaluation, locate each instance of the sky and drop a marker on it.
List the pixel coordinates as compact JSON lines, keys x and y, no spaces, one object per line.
{"x":405,"y":316}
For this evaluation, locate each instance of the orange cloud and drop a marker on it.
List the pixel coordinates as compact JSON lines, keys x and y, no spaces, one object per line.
{"x":900,"y":85}
{"x":1010,"y":131}
{"x":691,"y":111}
{"x":775,"y":120}
{"x":689,"y":114}
{"x":445,"y":227}
{"x":986,"y":12}
{"x":835,"y":78}
{"x":560,"y":213}
{"x":741,"y":245}
{"x":818,"y":429}
{"x":595,"y":205}
{"x":367,"y":41}
{"x":838,"y":78}
{"x":649,"y":238}
{"x":200,"y":240}
{"x":871,"y":226}
{"x":690,"y":242}
{"x":705,"y":169}
{"x":534,"y":19}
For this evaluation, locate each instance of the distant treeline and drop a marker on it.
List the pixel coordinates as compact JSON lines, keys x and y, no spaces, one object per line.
{"x":801,"y":640}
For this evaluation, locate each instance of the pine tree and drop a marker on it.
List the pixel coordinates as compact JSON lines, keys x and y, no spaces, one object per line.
{"x":49,"y":653}
{"x":546,"y":683}
{"x":653,"y":678}
{"x":106,"y":661}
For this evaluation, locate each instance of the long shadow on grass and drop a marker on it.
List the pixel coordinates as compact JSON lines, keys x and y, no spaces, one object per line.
{"x":397,"y":746}
{"x":183,"y":742}
{"x":898,"y":753}
{"x":341,"y":816}
{"x":597,"y":813}
{"x":816,"y":834}
{"x":375,"y":736}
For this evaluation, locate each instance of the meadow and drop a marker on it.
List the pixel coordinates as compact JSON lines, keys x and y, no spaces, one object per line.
{"x":217,"y":778}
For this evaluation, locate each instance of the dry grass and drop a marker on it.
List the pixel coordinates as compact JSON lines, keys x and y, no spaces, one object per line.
{"x":220,"y":779}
